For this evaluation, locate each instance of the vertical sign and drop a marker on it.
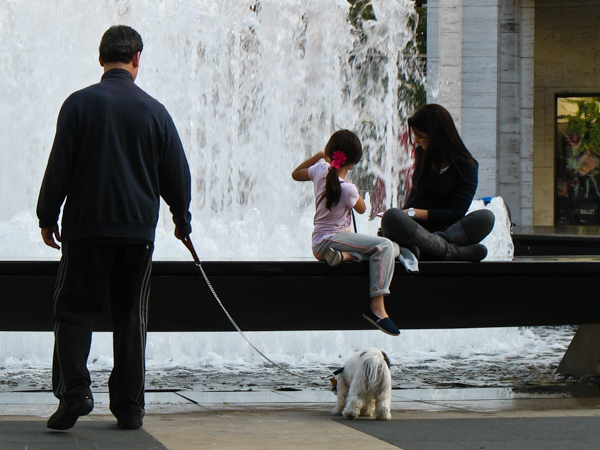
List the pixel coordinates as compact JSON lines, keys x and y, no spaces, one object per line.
{"x":577,"y":149}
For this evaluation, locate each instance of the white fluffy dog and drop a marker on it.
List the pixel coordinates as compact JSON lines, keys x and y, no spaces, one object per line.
{"x":364,"y":386}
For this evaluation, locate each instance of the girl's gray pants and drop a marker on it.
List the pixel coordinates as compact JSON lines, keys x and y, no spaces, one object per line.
{"x":379,"y":251}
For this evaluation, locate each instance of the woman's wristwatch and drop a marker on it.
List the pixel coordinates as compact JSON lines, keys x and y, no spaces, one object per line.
{"x":411,"y":213}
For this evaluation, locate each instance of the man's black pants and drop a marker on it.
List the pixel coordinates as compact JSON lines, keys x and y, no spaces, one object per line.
{"x":88,"y":274}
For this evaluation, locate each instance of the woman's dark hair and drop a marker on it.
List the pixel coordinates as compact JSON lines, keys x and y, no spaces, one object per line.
{"x":120,"y":43}
{"x":348,"y":143}
{"x":445,"y":146}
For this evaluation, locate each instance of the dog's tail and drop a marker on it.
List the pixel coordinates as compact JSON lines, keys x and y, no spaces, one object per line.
{"x":376,"y":368}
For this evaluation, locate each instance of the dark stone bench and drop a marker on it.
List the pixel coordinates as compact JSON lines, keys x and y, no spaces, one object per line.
{"x":309,"y":295}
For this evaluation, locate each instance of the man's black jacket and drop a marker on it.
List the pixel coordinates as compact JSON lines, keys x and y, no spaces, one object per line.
{"x":116,"y":152}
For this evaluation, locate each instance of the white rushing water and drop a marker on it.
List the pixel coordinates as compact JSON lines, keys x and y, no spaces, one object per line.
{"x":254,"y":87}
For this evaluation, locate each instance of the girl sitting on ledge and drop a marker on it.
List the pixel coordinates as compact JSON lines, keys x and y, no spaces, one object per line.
{"x":332,"y":241}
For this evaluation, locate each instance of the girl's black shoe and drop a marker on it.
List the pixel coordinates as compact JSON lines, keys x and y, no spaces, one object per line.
{"x":386,"y":325}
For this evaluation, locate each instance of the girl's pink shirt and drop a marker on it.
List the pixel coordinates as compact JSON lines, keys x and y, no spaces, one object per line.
{"x":330,"y":222}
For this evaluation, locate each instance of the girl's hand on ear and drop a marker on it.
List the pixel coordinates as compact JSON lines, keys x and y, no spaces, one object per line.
{"x":300,"y":173}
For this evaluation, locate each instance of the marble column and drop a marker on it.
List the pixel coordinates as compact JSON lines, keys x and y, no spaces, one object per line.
{"x":480,"y":67}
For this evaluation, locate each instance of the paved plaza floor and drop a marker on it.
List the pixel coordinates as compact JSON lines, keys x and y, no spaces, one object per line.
{"x":423,"y":419}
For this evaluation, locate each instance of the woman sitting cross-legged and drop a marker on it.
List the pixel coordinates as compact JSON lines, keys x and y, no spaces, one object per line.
{"x":432,"y":222}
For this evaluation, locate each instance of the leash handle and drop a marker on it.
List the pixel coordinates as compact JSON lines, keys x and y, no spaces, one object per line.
{"x":188,"y":243}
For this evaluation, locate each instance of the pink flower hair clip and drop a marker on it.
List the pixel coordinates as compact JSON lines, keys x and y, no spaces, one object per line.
{"x":339,"y":159}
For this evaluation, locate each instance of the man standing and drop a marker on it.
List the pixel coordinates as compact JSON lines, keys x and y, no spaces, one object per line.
{"x":115,"y":153}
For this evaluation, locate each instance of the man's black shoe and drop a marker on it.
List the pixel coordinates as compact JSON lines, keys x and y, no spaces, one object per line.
{"x":66,"y":417}
{"x":132,"y":422}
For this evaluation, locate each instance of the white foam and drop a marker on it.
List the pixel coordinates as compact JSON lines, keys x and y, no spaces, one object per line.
{"x":296,"y":349}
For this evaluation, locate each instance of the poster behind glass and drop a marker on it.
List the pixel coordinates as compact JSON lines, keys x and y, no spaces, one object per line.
{"x":577,"y":160}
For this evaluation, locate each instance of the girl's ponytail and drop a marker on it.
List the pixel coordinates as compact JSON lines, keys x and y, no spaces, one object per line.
{"x":333,"y":189}
{"x":343,"y":148}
